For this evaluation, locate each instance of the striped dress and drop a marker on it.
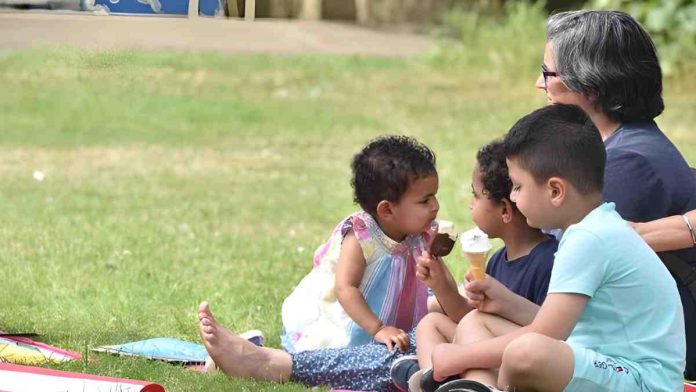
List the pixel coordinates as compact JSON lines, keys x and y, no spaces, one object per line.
{"x":312,"y":316}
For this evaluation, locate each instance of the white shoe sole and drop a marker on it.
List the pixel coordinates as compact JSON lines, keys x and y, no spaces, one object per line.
{"x":414,"y":382}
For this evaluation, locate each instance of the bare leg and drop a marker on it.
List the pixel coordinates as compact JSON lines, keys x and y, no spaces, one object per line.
{"x":237,"y":357}
{"x":434,"y":306}
{"x":433,"y":329}
{"x":474,"y":327}
{"x":536,"y":363}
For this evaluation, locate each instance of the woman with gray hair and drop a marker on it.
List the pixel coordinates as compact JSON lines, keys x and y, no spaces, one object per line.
{"x":606,"y":63}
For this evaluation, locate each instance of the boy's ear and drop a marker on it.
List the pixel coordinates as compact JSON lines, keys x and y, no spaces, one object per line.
{"x":508,"y":211}
{"x":557,"y":189}
{"x":384,"y":210}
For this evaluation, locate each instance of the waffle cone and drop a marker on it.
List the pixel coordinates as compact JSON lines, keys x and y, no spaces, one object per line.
{"x":477,"y":264}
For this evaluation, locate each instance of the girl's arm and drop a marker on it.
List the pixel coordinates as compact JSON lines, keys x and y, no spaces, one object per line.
{"x":487,"y":295}
{"x":670,"y":233}
{"x":435,"y":274}
{"x":349,"y":274}
{"x":556,"y":319}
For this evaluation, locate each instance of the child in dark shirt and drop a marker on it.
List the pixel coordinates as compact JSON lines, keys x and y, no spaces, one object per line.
{"x":522,"y":266}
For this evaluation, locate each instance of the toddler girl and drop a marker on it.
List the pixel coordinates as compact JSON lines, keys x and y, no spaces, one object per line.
{"x":363,"y":285}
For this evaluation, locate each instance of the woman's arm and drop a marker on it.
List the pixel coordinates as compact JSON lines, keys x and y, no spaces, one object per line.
{"x":670,"y":233}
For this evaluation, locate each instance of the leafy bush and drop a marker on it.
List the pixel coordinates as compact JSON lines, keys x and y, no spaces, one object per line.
{"x":516,"y":36}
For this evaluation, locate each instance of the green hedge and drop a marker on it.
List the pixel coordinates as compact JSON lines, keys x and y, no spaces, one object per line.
{"x":516,"y":33}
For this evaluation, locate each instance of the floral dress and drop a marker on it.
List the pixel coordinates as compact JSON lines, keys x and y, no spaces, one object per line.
{"x":312,"y":316}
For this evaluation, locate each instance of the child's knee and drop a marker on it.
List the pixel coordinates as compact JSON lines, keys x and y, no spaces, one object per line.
{"x":434,"y":305}
{"x":430,"y":322}
{"x":471,"y":320}
{"x":525,"y":354}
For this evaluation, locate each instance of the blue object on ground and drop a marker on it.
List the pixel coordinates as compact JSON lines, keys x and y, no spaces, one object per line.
{"x":171,"y":349}
{"x":145,"y":7}
{"x":165,"y":349}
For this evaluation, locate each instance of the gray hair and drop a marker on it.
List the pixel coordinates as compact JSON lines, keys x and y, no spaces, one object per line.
{"x":608,"y":56}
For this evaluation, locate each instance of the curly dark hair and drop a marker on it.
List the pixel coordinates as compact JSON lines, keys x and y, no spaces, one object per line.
{"x":385,"y":168}
{"x":491,"y":163}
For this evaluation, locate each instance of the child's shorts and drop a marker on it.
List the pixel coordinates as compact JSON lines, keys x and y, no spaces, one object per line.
{"x":598,"y":373}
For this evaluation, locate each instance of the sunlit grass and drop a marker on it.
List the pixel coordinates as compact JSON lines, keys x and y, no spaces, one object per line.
{"x":173,"y":178}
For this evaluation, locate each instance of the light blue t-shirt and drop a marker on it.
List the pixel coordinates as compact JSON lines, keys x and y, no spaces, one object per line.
{"x":634,"y":313}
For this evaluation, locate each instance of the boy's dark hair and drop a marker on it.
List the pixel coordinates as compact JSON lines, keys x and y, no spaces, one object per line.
{"x":385,"y":168}
{"x":559,"y":141}
{"x":490,"y":161}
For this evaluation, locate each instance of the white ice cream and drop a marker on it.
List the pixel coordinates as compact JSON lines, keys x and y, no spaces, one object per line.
{"x":475,"y":241}
{"x":447,"y":227}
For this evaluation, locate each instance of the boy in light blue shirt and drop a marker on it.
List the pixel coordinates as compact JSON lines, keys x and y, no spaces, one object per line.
{"x":612,"y":320}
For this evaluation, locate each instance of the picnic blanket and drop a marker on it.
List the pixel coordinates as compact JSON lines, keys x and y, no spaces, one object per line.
{"x":172,"y":349}
{"x":18,"y":378}
{"x":162,"y":349}
{"x":22,"y":350}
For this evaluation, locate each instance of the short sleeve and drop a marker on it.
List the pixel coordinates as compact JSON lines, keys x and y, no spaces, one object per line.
{"x":631,"y":183}
{"x":361,"y":229}
{"x":580,"y":264}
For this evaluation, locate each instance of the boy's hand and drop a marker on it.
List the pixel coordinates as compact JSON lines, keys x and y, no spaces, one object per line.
{"x":392,"y":336}
{"x":487,"y":295}
{"x":431,"y":271}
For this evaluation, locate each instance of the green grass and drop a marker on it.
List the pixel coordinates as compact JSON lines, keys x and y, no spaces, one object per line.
{"x":173,"y":178}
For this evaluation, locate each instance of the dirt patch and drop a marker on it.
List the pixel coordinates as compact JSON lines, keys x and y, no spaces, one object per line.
{"x":27,"y":29}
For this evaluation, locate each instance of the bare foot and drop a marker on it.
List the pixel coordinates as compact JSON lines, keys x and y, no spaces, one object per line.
{"x":237,"y":357}
{"x":209,"y":366}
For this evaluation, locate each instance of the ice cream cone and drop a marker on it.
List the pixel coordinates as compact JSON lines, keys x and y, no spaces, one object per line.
{"x":475,"y":245}
{"x":477,"y":264}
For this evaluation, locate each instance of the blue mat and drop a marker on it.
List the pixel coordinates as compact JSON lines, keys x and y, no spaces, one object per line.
{"x":164,"y":349}
{"x":171,"y":349}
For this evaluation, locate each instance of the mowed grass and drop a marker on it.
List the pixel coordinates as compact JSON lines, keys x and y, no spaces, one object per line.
{"x":174,"y":178}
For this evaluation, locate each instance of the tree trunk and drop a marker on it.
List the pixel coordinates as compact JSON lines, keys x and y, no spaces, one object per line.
{"x":311,"y":9}
{"x":362,"y":11}
{"x":498,"y":7}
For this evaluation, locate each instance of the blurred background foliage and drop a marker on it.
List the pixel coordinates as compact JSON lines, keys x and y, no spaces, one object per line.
{"x":671,"y":23}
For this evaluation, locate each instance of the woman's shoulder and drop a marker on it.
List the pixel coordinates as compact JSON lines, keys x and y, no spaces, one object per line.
{"x":643,"y":145}
{"x":639,"y":138}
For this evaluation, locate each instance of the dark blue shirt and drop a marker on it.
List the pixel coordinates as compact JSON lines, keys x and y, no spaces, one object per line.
{"x":647,"y":177}
{"x":529,"y":275}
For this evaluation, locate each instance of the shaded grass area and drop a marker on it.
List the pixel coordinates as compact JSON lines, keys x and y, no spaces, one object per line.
{"x":173,"y":178}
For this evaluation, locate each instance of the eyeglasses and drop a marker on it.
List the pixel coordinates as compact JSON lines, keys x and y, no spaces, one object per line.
{"x":547,"y":74}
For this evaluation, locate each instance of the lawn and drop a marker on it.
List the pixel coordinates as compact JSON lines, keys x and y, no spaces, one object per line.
{"x":171,"y":178}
